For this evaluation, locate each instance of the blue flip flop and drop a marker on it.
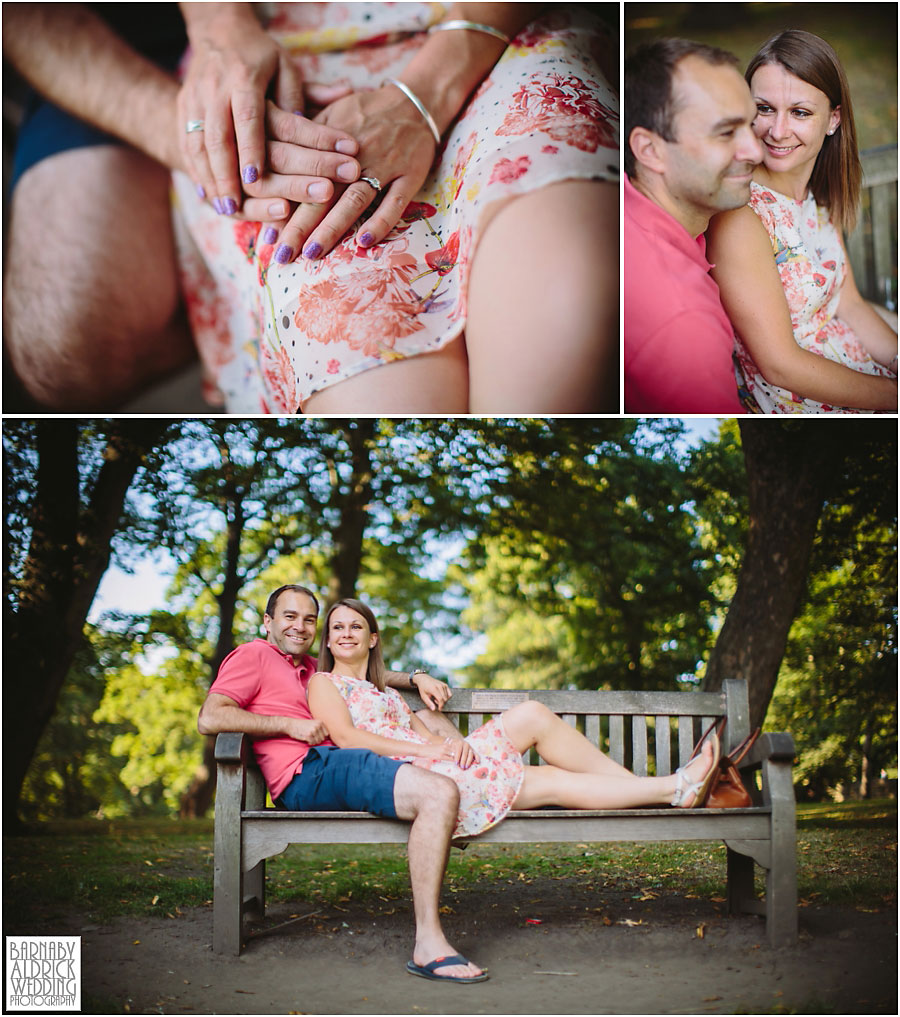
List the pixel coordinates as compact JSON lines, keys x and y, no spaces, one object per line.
{"x":429,"y":970}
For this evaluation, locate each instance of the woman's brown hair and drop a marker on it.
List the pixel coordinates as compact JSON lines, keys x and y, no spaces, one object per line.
{"x":837,"y":174}
{"x":375,"y":670}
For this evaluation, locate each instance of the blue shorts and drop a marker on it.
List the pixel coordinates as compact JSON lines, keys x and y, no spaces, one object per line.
{"x":156,"y":31}
{"x":343,"y":780}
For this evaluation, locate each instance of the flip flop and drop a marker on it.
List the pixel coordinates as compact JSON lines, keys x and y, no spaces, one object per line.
{"x":429,"y":970}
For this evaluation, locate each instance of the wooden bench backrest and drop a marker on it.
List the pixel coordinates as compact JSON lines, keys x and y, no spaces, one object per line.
{"x":650,"y":733}
{"x":872,"y":246}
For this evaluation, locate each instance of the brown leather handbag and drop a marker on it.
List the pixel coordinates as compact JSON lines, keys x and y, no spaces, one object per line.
{"x":727,"y":790}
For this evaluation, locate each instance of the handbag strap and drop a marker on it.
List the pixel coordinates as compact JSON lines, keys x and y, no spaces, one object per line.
{"x":740,"y":750}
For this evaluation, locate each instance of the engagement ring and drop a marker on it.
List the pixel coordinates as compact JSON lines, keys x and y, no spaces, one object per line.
{"x":193,"y":125}
{"x":372,"y":182}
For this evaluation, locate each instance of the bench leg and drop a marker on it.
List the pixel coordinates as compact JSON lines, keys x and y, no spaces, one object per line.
{"x":227,"y":881}
{"x":741,"y":892}
{"x":255,"y":892}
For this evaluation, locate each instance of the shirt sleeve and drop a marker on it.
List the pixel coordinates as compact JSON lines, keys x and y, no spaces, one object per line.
{"x":685,"y":367}
{"x":239,"y":675}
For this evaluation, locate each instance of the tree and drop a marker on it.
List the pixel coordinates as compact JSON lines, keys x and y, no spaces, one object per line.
{"x":592,"y":574}
{"x":792,"y":467}
{"x":65,"y":495}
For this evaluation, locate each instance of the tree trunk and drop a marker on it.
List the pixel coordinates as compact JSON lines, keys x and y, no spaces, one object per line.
{"x":789,"y":465}
{"x":198,"y":797}
{"x":68,"y":554}
{"x":354,"y":514}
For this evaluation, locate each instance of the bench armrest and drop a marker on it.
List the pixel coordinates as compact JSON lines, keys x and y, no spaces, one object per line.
{"x":233,"y":747}
{"x":777,"y":747}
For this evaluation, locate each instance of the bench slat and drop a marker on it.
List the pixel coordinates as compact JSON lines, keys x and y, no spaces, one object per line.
{"x":663,"y":747}
{"x":639,"y":746}
{"x":617,"y":738}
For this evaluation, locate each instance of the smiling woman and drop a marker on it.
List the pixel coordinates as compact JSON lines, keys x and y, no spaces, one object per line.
{"x":806,"y":340}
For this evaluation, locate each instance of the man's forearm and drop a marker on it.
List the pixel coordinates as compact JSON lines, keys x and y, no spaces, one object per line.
{"x":73,"y":58}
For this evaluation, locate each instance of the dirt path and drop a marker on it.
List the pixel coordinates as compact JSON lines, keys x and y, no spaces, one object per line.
{"x":629,"y":956}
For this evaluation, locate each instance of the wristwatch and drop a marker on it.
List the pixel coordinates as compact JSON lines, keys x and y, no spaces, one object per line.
{"x":412,"y":674}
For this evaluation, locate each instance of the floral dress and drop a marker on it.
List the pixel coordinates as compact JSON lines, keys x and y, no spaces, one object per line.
{"x":269,"y":335}
{"x":486,"y":790}
{"x":812,"y":268}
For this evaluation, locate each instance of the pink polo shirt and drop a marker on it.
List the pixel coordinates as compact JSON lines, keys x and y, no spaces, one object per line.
{"x":678,"y":339}
{"x":261,"y":679}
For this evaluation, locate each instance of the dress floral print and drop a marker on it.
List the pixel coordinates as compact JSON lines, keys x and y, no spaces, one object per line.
{"x":812,"y":268}
{"x":270,"y":335}
{"x":486,"y":790}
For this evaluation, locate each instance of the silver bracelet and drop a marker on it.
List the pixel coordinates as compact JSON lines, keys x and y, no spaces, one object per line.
{"x":414,"y":99}
{"x":471,"y":26}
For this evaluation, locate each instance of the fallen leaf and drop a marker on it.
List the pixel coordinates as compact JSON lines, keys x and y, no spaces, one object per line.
{"x":701,"y":932}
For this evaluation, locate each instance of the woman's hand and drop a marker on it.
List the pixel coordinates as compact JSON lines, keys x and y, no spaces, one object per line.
{"x":395,"y":147}
{"x":458,"y":751}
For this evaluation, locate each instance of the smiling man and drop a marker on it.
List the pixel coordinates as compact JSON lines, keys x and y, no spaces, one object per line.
{"x":690,"y":153}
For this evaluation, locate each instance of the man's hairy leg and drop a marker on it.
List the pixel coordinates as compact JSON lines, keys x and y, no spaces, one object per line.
{"x":431,"y":802}
{"x":91,"y":299}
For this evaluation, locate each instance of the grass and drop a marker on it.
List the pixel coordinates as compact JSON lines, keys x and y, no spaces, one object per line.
{"x":847,"y":857}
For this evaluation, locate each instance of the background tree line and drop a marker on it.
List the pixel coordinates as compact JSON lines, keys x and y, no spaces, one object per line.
{"x":549,"y":553}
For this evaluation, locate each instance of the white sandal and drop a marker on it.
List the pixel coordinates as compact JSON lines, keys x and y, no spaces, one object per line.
{"x":700,"y":789}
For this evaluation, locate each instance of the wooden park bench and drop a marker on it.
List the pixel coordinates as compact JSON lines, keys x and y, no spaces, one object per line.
{"x":649,"y":732}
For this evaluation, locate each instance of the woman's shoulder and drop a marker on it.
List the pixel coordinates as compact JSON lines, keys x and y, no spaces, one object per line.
{"x":737,"y":226}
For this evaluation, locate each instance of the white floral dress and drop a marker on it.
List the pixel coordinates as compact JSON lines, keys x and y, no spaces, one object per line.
{"x":271,"y":335}
{"x":486,"y":789}
{"x":812,"y":268}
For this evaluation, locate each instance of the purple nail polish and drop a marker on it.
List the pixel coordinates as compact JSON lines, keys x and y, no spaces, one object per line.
{"x":270,"y":235}
{"x":299,"y":113}
{"x":201,"y":190}
{"x":366,"y":240}
{"x":251,"y":174}
{"x":312,"y":250}
{"x":284,"y":254}
{"x":217,"y":205}
{"x":229,"y":206}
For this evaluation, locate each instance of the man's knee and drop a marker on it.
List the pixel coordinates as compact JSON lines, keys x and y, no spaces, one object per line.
{"x":420,"y":792}
{"x":91,"y":291}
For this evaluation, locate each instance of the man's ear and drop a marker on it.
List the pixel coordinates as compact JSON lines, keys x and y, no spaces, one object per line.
{"x":647,"y":148}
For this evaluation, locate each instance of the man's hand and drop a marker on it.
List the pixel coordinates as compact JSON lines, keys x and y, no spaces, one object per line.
{"x":432,"y":692}
{"x":313,"y":732}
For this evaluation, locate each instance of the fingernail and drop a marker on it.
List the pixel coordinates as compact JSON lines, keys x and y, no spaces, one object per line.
{"x":299,"y":113}
{"x":201,"y":190}
{"x":284,"y":254}
{"x":251,"y":174}
{"x":217,"y":205}
{"x":347,"y":171}
{"x":312,"y":250}
{"x":229,"y":206}
{"x":278,"y":210}
{"x":270,"y":235}
{"x":320,"y":190}
{"x":366,"y":240}
{"x":345,"y":146}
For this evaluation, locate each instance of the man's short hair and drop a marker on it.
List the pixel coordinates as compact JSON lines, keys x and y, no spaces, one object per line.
{"x":273,"y":599}
{"x":649,"y":102}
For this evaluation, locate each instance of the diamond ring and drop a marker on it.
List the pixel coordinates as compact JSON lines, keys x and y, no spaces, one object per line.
{"x":193,"y":125}
{"x":372,"y":182}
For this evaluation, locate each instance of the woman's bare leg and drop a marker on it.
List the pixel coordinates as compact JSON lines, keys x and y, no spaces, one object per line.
{"x":550,"y":785}
{"x":531,"y":724}
{"x":579,"y":775}
{"x":429,"y":383}
{"x":542,"y":329}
